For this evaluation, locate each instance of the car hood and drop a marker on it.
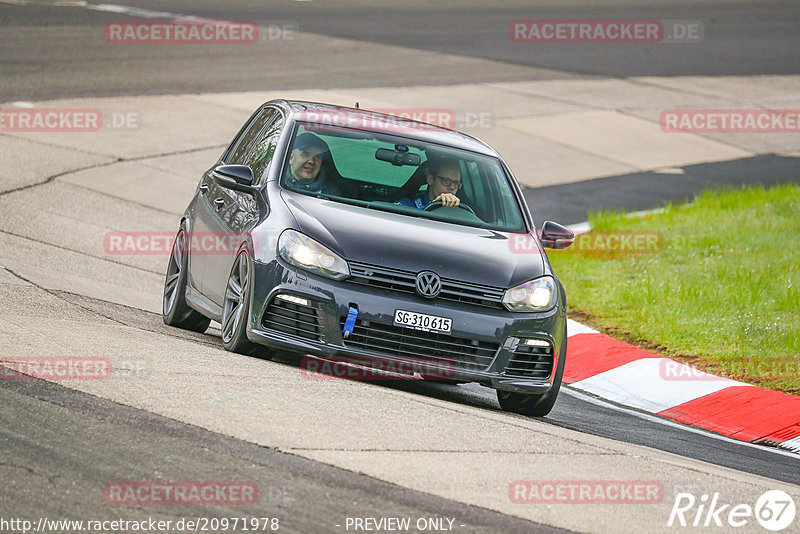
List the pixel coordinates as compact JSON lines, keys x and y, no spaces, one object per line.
{"x":414,"y":244}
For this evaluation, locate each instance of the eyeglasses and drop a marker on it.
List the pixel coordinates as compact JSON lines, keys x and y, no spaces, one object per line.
{"x":449,"y":183}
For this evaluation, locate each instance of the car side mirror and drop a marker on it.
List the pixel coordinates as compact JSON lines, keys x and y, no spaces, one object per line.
{"x":556,"y":236}
{"x":236,"y":177}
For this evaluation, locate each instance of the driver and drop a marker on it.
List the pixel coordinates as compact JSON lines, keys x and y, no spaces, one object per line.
{"x":305,"y":171}
{"x":444,"y":181}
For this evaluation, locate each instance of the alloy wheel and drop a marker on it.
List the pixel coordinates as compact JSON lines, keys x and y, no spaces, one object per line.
{"x":174,"y":272}
{"x":235,"y":297}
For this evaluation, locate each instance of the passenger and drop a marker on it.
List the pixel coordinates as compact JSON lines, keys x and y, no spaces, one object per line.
{"x":306,"y":172}
{"x":444,"y":180}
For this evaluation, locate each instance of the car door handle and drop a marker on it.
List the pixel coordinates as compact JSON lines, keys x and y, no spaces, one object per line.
{"x":203,"y":189}
{"x":219,"y":203}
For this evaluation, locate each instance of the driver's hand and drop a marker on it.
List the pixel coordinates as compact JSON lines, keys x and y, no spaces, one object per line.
{"x":448,"y":200}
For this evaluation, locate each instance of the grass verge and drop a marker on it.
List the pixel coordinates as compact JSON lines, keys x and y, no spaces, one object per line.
{"x":713,"y":283}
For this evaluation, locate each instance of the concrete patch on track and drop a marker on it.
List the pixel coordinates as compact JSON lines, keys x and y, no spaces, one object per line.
{"x":630,"y":141}
{"x":137,"y":183}
{"x":27,"y":162}
{"x":550,"y":131}
{"x":54,"y":267}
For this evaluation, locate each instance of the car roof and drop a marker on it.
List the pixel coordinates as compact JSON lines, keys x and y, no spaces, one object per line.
{"x":364,"y":119}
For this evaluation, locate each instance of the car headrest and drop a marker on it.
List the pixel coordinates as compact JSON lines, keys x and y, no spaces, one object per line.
{"x":412,"y":185}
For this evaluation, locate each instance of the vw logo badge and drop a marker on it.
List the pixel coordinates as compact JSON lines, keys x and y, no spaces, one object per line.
{"x":428,"y":284}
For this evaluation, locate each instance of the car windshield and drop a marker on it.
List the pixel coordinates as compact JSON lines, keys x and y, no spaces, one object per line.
{"x":394,"y":173}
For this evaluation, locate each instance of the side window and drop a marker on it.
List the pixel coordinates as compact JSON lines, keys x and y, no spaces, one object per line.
{"x":261,"y":154}
{"x":242,"y":148}
{"x":474,"y":186}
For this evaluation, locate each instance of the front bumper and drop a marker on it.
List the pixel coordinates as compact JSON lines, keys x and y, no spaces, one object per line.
{"x":486,"y":345}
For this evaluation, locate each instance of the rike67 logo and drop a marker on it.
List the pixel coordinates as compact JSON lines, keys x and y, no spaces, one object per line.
{"x":774,"y":510}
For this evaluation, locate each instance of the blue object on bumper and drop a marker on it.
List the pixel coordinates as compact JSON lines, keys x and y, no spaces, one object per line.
{"x":350,"y":322}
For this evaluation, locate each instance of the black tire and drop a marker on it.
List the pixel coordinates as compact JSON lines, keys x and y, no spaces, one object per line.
{"x":235,"y":308}
{"x":174,"y":309}
{"x":536,"y":405}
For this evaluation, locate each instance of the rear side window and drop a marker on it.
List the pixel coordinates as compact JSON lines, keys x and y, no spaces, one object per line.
{"x":238,"y":155}
{"x":263,"y":149}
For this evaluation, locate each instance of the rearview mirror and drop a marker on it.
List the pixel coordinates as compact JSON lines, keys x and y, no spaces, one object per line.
{"x":398,"y":157}
{"x":556,"y":236}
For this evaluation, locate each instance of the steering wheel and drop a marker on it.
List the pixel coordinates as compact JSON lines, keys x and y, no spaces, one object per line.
{"x":439,"y":204}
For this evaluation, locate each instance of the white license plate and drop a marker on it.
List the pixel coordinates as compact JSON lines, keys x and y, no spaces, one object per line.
{"x":420,"y":321}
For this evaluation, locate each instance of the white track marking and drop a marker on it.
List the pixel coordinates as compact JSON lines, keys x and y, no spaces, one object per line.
{"x":142,"y":13}
{"x":792,"y":444}
{"x":640,"y":384}
{"x":574,"y":327}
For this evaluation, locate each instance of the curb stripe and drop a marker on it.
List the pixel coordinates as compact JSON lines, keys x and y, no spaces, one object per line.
{"x":785,"y":435}
{"x":625,"y":374}
{"x":591,"y":354}
{"x":788,"y":438}
{"x":747,"y":413}
{"x":639,"y":384}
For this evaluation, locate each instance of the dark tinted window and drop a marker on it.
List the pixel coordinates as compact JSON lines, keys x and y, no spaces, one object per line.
{"x":248,"y":138}
{"x":263,"y":149}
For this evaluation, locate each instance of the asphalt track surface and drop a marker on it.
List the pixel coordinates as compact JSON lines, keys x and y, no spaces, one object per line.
{"x":572,"y":203}
{"x":55,"y":52}
{"x":60,"y":51}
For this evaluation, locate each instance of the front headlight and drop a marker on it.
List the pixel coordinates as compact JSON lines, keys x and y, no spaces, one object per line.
{"x":535,"y":296}
{"x":302,"y":251}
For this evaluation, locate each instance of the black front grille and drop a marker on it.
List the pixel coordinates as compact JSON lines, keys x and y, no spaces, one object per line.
{"x":405,"y":281}
{"x":460,"y":352}
{"x":531,"y":361}
{"x":293,"y":318}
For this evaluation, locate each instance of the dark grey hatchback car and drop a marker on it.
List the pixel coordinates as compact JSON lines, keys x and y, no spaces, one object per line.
{"x":343,"y":233}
